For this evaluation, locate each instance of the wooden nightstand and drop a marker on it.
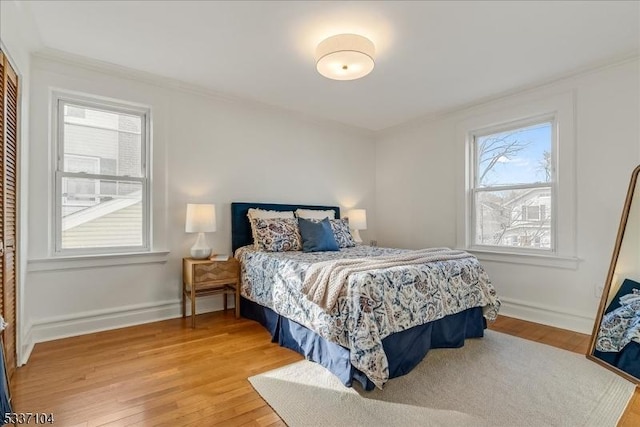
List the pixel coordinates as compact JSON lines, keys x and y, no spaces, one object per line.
{"x":206,"y":277}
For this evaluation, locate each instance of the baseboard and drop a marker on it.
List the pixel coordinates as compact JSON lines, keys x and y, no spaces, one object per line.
{"x":547,"y":315}
{"x":101,"y":320}
{"x":26,"y":346}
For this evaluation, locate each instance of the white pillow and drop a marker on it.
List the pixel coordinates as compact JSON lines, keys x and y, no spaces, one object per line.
{"x":315,"y":214}
{"x":264,"y":214}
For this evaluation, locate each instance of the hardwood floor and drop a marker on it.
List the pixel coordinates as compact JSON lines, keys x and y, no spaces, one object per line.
{"x":166,"y":373}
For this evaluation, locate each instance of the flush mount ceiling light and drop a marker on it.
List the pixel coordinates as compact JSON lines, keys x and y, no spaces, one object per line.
{"x":345,"y":57}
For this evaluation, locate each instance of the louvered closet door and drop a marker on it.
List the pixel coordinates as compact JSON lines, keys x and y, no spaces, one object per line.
{"x":8,"y":207}
{"x":2,"y":134}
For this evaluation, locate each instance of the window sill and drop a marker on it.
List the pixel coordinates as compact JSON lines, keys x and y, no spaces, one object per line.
{"x":90,"y":261}
{"x":553,"y":261}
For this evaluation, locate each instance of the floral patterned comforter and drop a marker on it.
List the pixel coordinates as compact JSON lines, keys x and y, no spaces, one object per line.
{"x":374,"y":304}
{"x":622,"y":325}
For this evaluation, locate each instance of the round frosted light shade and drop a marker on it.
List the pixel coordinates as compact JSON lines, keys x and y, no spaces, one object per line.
{"x":357,"y":219}
{"x":345,"y":57}
{"x":201,"y":218}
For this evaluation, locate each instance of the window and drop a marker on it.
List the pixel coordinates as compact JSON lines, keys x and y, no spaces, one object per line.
{"x":513,"y":186}
{"x":101,"y":177}
{"x":534,"y":213}
{"x":80,"y":193}
{"x":75,"y":112}
{"x":480,"y":202}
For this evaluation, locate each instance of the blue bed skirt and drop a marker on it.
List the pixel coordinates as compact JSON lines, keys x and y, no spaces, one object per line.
{"x":404,"y":349}
{"x":627,"y":359}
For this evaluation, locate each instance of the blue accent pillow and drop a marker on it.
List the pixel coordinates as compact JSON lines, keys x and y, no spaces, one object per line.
{"x":317,"y":236}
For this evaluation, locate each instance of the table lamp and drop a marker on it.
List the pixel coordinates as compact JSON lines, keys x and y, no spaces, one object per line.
{"x":357,"y":221}
{"x":201,"y":218}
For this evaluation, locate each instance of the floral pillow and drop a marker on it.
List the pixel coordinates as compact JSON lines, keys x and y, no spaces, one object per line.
{"x":254,"y":214}
{"x":277,"y":234}
{"x":341,"y":232}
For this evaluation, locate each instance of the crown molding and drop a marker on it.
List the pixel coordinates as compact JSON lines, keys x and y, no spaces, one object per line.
{"x":521,"y":90}
{"x":49,"y":54}
{"x":111,"y":69}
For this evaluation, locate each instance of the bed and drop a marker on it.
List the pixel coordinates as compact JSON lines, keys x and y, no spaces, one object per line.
{"x":384,"y":322}
{"x":618,"y":341}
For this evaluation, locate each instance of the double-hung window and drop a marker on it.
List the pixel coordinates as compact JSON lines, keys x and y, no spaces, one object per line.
{"x":101,"y":177}
{"x":512,"y":196}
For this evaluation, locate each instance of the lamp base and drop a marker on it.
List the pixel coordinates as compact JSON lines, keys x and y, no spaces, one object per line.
{"x":200,"y":249}
{"x":356,"y":236}
{"x":200,"y":253}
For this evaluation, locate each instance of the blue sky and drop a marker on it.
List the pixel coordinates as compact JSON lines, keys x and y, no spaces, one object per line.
{"x":524,"y":166}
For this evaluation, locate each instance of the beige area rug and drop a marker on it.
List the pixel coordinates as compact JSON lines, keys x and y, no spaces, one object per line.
{"x":498,"y":380}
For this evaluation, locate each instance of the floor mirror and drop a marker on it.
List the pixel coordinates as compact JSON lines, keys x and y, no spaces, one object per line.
{"x":615,"y":342}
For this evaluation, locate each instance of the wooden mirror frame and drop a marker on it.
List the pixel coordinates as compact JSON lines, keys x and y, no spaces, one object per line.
{"x":607,"y":285}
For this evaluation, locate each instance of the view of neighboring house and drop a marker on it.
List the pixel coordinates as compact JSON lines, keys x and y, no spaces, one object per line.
{"x":515,"y":218}
{"x":513,"y":200}
{"x":96,"y":210}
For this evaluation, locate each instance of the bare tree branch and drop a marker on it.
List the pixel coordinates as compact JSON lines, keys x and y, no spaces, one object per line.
{"x":492,"y":150}
{"x":545,"y":165}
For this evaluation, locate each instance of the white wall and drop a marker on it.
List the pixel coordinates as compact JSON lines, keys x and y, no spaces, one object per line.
{"x":417,"y":193}
{"x":208,"y":149}
{"x":205,"y":149}
{"x":18,"y":37}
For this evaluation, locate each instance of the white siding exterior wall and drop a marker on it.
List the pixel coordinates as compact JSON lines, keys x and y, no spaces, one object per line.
{"x":120,"y":228}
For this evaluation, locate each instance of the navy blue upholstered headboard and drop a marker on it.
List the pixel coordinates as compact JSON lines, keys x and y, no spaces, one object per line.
{"x":240,"y":227}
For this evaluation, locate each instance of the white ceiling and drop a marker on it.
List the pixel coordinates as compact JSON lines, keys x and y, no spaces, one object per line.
{"x":431,"y":56}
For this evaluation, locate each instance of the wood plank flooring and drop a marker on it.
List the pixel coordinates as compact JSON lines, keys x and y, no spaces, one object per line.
{"x":166,"y":373}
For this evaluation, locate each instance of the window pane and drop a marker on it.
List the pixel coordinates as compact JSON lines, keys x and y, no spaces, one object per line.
{"x":101,"y":213}
{"x":114,"y":139}
{"x":520,"y":156}
{"x":519,"y":218}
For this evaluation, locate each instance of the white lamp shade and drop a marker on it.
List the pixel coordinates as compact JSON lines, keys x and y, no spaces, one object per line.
{"x":345,"y":57}
{"x":357,"y":219}
{"x":201,"y":218}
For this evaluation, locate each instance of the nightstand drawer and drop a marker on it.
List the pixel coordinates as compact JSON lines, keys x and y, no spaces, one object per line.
{"x":224,"y":270}
{"x":202,"y":277}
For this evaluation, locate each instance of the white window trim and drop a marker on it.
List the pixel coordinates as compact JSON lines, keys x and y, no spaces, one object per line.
{"x":96,"y":102}
{"x":562,"y":107}
{"x":90,"y":261}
